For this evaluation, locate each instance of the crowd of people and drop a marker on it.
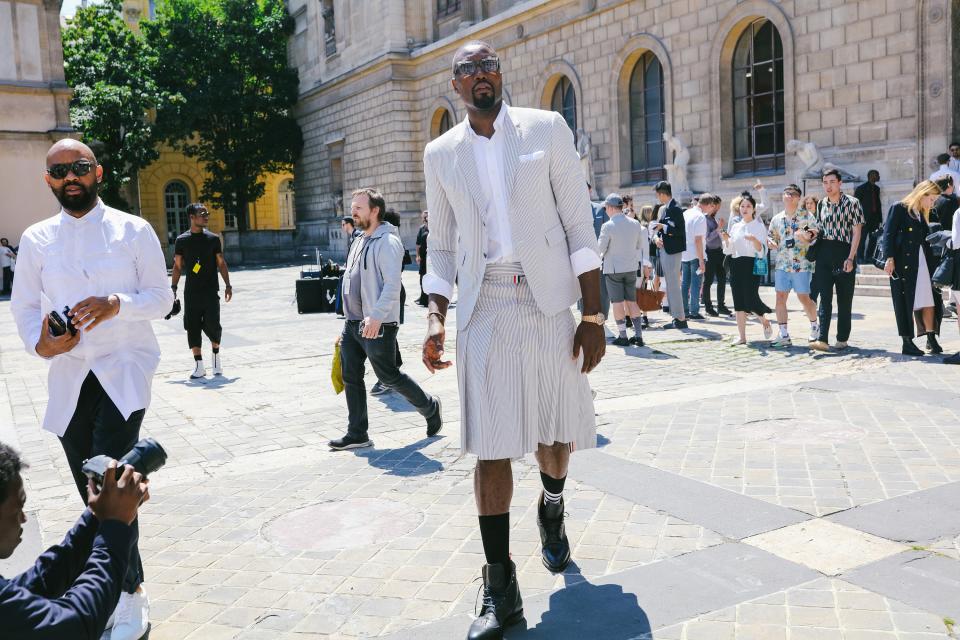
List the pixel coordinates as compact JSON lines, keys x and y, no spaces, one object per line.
{"x":809,"y":245}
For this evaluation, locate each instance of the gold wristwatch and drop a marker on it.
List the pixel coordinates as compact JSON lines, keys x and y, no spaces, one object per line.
{"x":597,"y":318}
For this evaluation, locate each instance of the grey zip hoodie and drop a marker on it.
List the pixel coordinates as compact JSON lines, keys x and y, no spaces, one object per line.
{"x":380,"y":258}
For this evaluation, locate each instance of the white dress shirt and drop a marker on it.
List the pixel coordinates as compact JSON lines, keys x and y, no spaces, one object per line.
{"x":695,"y":226}
{"x":488,"y":153}
{"x":944,"y":171}
{"x":742,"y":247}
{"x":954,"y":164}
{"x":64,"y":260}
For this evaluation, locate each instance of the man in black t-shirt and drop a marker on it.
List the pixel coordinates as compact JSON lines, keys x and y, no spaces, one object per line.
{"x":199,"y":255}
{"x":422,"y":256}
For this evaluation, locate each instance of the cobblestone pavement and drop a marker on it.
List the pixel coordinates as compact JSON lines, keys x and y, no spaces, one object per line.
{"x":256,"y":530}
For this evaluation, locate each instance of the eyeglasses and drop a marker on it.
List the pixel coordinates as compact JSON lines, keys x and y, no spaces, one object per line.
{"x":792,"y":194}
{"x":202,"y":214}
{"x":471,"y":67}
{"x":79,"y":168}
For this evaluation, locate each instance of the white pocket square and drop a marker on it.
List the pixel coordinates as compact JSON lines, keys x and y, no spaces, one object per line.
{"x":536,"y":155}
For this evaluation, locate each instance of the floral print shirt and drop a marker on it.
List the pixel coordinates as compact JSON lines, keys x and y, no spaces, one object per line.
{"x":791,"y":250}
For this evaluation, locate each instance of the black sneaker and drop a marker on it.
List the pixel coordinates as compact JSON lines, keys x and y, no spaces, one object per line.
{"x":724,"y":311}
{"x":349,"y":442}
{"x":435,"y":422}
{"x":695,"y":316}
{"x":379,"y":389}
{"x":502,"y":605}
{"x":675,"y":324}
{"x":644,"y":323}
{"x":620,"y":342}
{"x":712,"y":312}
{"x":636,"y":341}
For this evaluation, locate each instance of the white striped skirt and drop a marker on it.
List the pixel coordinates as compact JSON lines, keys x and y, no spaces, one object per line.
{"x":519,"y":384}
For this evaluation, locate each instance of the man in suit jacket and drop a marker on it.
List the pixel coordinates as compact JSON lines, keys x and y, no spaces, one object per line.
{"x":621,"y":245}
{"x":869,"y":196}
{"x":519,"y":263}
{"x":946,"y":205}
{"x":672,"y":241}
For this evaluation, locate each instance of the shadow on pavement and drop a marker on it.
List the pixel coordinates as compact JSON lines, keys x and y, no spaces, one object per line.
{"x":405,"y":462}
{"x":583,"y":610}
{"x":212,"y":382}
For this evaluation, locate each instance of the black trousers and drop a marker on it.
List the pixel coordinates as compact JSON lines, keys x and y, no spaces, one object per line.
{"x":382,"y":353}
{"x":201,"y":314}
{"x":716,"y":271}
{"x":98,"y":428}
{"x":830,"y":258}
{"x":745,"y":287}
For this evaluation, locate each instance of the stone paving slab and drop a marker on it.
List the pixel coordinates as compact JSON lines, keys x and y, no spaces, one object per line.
{"x":922,"y":516}
{"x":632,"y":603}
{"x":919,"y":578}
{"x":731,"y":514}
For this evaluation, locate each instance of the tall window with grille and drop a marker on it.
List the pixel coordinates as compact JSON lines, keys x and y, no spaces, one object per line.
{"x":564,"y":102}
{"x":287,"y":207}
{"x":329,"y":28}
{"x":758,"y":132}
{"x":447,"y":8}
{"x":176,"y":197}
{"x":647,"y":117}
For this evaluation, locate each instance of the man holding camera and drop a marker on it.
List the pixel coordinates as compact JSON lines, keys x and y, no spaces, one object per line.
{"x":371,"y":303}
{"x":106,"y":270}
{"x":73,"y":587}
{"x":199,"y":253}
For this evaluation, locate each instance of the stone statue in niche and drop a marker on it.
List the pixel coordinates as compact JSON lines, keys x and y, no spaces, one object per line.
{"x":677,"y":171}
{"x":809,"y":155}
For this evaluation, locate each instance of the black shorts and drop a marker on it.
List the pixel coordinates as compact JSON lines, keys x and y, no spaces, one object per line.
{"x":201,"y":314}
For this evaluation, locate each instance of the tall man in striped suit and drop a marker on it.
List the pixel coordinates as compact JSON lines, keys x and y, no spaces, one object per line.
{"x":520,"y":262}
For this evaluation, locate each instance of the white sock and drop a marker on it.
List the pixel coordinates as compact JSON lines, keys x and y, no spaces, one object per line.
{"x":784,"y":333}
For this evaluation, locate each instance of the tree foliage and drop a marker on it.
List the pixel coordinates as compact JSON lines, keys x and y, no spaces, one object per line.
{"x":224,"y":65}
{"x":110,"y":69}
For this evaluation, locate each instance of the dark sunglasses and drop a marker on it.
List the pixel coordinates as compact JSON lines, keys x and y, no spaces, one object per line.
{"x":471,"y":67}
{"x":202,"y":214}
{"x":79,"y":168}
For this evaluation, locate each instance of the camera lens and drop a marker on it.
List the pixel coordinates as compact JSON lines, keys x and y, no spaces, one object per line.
{"x":146,"y":456}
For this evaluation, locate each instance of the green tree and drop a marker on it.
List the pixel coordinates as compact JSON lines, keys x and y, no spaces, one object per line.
{"x":224,"y":65}
{"x":109,"y":68}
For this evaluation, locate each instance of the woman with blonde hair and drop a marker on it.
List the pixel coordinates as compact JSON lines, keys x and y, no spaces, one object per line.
{"x":908,"y":256}
{"x":809,"y":204}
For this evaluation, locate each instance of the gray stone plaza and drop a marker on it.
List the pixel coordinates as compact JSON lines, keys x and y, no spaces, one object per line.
{"x":737,"y":492}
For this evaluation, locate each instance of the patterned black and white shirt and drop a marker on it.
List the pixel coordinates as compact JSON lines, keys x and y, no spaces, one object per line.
{"x":838,"y":220}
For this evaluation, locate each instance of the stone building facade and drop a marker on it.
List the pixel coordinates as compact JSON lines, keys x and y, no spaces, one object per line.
{"x":34,"y":101}
{"x":871,"y":83}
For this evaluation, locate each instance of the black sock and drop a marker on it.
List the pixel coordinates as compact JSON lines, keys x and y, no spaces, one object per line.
{"x":552,"y":488}
{"x":216,"y":349}
{"x":495,"y":534}
{"x":198,"y":358}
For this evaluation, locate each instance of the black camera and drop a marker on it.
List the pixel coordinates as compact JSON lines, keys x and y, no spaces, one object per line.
{"x":59,"y":326}
{"x":146,"y":457}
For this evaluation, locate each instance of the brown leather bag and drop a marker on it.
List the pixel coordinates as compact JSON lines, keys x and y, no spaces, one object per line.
{"x":647,"y":298}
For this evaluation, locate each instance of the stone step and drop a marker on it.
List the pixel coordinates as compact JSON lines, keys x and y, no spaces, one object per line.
{"x":875,"y":280}
{"x":872,"y":290}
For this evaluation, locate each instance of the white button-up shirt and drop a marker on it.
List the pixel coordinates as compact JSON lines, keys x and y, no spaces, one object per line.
{"x":489,"y":154}
{"x":64,"y":260}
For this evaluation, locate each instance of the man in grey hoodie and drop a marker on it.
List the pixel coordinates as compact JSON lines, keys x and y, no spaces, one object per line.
{"x":371,"y":304}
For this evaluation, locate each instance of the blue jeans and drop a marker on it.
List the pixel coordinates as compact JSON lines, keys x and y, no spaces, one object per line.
{"x":690,"y":286}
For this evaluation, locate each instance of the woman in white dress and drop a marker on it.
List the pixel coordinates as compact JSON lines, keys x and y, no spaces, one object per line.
{"x":745,"y":241}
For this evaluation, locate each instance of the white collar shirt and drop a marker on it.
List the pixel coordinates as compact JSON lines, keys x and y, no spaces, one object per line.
{"x":943,"y":172}
{"x":741,"y":246}
{"x":6,"y":257}
{"x":954,"y":164}
{"x":695,"y":226}
{"x":489,"y":154}
{"x":64,"y":260}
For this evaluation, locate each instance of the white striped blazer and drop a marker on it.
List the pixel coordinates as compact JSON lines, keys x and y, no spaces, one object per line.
{"x":549,"y":206}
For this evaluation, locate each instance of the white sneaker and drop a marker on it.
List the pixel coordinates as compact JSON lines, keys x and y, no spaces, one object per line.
{"x":814,"y":332}
{"x":132,"y":616}
{"x":217,"y":369}
{"x":198,"y":371}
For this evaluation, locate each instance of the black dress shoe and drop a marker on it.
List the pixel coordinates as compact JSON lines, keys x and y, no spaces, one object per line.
{"x":675,"y":324}
{"x":502,"y":605}
{"x":636,"y":341}
{"x":349,"y":442}
{"x":932,"y":345}
{"x":695,"y":316}
{"x":435,"y":422}
{"x":620,"y":342}
{"x":712,"y":312}
{"x":553,"y":536}
{"x":722,"y":309}
{"x":954,"y":359}
{"x":910,"y":349}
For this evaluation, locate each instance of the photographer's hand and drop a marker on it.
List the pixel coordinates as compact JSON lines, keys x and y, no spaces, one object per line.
{"x":118,"y":499}
{"x":90,"y":312}
{"x":50,"y":345}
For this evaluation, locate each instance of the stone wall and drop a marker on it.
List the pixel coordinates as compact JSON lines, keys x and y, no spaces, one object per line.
{"x":855,"y":76}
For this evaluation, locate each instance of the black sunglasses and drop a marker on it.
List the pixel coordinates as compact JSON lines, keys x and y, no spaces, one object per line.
{"x":470,"y":67}
{"x":79,"y":168}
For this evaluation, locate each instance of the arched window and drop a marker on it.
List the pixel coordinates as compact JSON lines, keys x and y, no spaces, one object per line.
{"x":441,"y":122}
{"x":176,"y":197}
{"x":564,"y":102}
{"x":287,"y":207}
{"x":647,"y":116}
{"x":758,"y":135}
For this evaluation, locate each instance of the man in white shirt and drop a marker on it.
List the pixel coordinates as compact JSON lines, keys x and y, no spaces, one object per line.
{"x":955,"y":156}
{"x":944,"y":161}
{"x":104,"y":272}
{"x":693,"y":260}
